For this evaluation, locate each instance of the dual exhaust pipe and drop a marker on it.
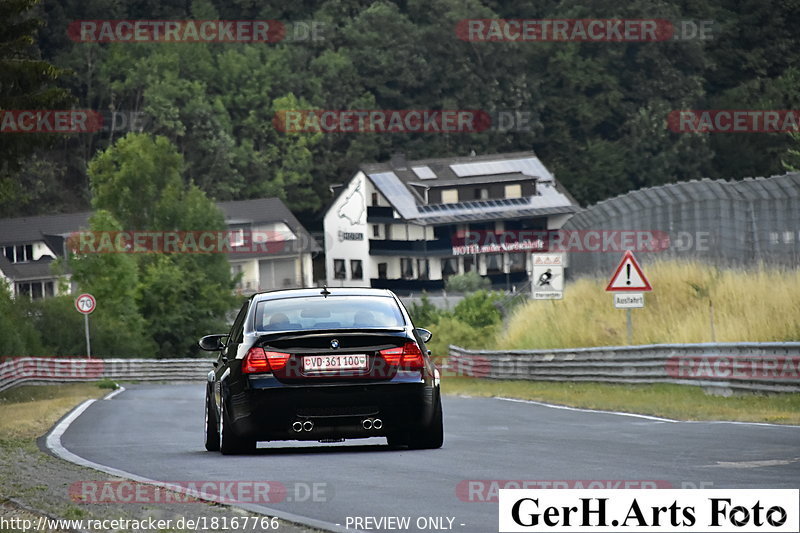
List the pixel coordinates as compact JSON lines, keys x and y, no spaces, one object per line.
{"x":372,"y":423}
{"x":298,"y":426}
{"x":308,"y":425}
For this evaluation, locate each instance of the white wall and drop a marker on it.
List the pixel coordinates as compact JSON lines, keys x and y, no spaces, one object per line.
{"x":348,"y":214}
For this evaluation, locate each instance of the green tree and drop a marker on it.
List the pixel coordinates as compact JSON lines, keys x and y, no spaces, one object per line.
{"x":19,"y":335}
{"x":181,"y":296}
{"x":26,"y":82}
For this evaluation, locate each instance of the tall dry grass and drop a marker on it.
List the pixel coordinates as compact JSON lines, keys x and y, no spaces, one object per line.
{"x":757,"y":305}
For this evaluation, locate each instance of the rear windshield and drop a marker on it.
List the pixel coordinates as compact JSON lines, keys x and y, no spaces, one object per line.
{"x":327,"y":313}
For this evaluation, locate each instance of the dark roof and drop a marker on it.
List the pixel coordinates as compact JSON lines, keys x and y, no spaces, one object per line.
{"x":39,"y":269}
{"x":265,"y":211}
{"x":7,"y":267}
{"x":50,"y":228}
{"x":400,"y":182}
{"x":25,"y":230}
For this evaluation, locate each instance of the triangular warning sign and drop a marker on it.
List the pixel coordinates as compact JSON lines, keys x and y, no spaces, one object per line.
{"x":628,"y":276}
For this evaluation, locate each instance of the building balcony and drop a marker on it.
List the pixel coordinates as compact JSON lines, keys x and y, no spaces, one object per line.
{"x":410,"y":248}
{"x":380,"y":214}
{"x":407,"y":286}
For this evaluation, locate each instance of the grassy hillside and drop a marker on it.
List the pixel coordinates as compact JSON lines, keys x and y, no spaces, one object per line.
{"x":761,"y":305}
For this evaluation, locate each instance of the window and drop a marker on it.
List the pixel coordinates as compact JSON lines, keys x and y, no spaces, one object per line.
{"x":449,"y":196}
{"x":423,"y":267}
{"x":356,"y":272}
{"x":382,"y":270}
{"x":516,"y":262}
{"x":387,"y":231}
{"x":494,"y":263}
{"x":376,"y":231}
{"x":236,"y":335}
{"x":19,"y":253}
{"x":35,"y":290}
{"x":374,"y":199}
{"x":406,"y":268}
{"x":481,"y":194}
{"x":237,"y":237}
{"x":469,"y":263}
{"x":339,"y":269}
{"x":514,"y":191}
{"x":316,"y":312}
{"x":449,"y":266}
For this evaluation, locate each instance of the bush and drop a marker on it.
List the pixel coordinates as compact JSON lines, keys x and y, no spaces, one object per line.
{"x":478,"y":309}
{"x":467,"y":283}
{"x":424,"y":314}
{"x":450,"y":330}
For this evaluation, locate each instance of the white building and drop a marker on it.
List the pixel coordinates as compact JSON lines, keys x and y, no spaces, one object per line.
{"x":402,"y":224}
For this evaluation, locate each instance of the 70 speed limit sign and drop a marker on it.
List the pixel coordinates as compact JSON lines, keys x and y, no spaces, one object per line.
{"x":85,"y":303}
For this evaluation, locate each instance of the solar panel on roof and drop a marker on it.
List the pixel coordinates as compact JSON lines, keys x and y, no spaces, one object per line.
{"x":530,"y":166}
{"x":424,"y":173}
{"x":397,"y":193}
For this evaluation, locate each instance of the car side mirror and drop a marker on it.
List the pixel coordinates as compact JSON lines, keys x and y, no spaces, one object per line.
{"x":212,"y":343}
{"x":424,"y":334}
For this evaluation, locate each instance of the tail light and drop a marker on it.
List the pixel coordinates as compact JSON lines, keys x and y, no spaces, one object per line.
{"x":258,"y":360}
{"x":406,"y":357}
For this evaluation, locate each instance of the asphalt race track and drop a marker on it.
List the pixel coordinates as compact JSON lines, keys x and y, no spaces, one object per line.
{"x":155,"y":431}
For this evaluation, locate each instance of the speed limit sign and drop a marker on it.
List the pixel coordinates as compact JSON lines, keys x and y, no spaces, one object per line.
{"x":85,"y":303}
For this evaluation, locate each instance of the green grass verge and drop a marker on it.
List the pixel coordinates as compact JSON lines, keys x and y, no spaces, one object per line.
{"x":680,"y":402}
{"x":31,"y":410}
{"x":690,"y":302}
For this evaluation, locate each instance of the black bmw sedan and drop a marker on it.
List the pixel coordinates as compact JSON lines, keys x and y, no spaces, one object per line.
{"x":323,"y":365}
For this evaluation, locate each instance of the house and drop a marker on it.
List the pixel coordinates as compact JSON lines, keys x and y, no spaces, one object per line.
{"x":29,"y":245}
{"x":409,"y":225}
{"x":287,"y":265}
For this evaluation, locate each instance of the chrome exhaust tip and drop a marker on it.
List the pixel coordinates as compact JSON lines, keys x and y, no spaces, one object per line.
{"x":377,"y":423}
{"x":297,"y":427}
{"x":367,"y":423}
{"x":308,"y":425}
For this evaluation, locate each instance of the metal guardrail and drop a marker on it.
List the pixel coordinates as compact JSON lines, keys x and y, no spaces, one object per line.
{"x":719,"y":367}
{"x":36,"y":370}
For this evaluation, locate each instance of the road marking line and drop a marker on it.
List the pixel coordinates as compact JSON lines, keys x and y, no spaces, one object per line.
{"x":110,"y":395}
{"x":54,"y":444}
{"x":636,"y":415}
{"x":568,"y":408}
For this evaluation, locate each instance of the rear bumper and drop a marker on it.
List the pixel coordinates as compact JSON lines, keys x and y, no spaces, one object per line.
{"x":266,"y":410}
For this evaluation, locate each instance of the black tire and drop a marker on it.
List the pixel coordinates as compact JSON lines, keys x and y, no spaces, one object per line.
{"x":430,"y":438}
{"x":211,"y":427}
{"x":229,"y":442}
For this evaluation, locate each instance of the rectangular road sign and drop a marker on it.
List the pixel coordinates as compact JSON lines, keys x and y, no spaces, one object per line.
{"x":629,"y":300}
{"x":553,"y":259}
{"x":548,"y":282}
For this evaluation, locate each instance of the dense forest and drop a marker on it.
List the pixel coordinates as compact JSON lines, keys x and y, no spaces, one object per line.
{"x":599,"y":109}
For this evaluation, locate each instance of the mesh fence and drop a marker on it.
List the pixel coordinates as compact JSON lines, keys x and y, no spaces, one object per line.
{"x":724,"y":223}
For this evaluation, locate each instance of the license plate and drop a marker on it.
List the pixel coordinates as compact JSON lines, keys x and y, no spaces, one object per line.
{"x":334,"y":362}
